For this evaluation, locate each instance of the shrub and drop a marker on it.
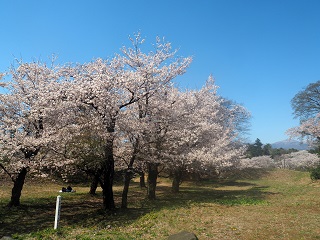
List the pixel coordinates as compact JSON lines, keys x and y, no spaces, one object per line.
{"x":315,"y":173}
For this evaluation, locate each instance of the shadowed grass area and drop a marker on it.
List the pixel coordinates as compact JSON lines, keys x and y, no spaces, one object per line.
{"x":282,"y":204}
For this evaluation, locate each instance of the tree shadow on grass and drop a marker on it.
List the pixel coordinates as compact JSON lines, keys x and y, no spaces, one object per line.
{"x":79,"y":209}
{"x":250,"y":195}
{"x":26,"y":218}
{"x":86,"y":211}
{"x":34,"y":215}
{"x":248,"y":173}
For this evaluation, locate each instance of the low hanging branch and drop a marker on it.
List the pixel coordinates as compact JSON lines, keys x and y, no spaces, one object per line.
{"x":6,"y":171}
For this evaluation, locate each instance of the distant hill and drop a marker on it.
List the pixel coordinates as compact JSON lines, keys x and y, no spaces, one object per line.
{"x":287,"y":144}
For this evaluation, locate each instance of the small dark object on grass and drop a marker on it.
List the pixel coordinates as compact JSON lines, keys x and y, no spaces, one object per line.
{"x":184,"y":235}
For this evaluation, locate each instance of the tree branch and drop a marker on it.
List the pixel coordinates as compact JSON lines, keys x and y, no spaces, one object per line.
{"x":6,"y":171}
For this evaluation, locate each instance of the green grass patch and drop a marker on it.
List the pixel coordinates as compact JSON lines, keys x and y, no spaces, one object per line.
{"x":242,"y":201}
{"x":279,"y":204}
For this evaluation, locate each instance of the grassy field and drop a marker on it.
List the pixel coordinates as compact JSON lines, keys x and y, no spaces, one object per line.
{"x":279,"y":204}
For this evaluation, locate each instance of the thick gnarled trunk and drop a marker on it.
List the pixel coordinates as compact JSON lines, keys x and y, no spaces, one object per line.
{"x":152,"y":180}
{"x":142,"y":180}
{"x":127,"y":179}
{"x":129,"y":175}
{"x":108,"y":170}
{"x":107,"y":191}
{"x":17,"y":188}
{"x":176,"y":180}
{"x":108,"y":176}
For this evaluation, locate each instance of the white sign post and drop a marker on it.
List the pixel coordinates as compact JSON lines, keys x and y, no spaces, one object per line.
{"x":57,"y":215}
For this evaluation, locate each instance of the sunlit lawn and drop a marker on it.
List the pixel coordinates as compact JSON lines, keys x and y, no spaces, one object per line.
{"x":281,"y":204}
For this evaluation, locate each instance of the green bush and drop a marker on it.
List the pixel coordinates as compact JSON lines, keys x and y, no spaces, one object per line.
{"x":315,"y":173}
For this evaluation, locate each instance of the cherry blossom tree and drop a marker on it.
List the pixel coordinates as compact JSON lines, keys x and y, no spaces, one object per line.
{"x":260,"y":162}
{"x":122,"y":113}
{"x":27,"y":119}
{"x":130,"y":146}
{"x":309,"y":129}
{"x":301,"y":160}
{"x":189,"y":131}
{"x":82,"y":153}
{"x":108,"y":87}
{"x":203,"y":137}
{"x":127,"y":152}
{"x":159,"y":121}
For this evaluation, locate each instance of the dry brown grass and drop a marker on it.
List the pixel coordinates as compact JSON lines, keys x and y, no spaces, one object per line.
{"x":282,"y":204}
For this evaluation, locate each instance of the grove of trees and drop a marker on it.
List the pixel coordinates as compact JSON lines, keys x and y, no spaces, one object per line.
{"x":297,"y":160}
{"x":258,"y":149}
{"x":119,"y":114}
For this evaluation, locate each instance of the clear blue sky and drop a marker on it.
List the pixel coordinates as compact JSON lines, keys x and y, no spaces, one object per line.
{"x":261,"y":52}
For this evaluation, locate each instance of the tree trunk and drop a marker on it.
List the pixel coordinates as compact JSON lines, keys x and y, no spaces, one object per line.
{"x":94,"y":185}
{"x":177,"y":177}
{"x":152,"y":180}
{"x":129,"y":174}
{"x":108,"y":176}
{"x":127,"y":179}
{"x":142,"y":180}
{"x":107,"y":191}
{"x":17,"y":188}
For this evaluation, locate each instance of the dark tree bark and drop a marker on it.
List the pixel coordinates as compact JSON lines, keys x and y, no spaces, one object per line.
{"x":176,"y":180}
{"x":108,"y":169}
{"x":127,"y":179}
{"x":17,"y":188}
{"x":19,"y":180}
{"x":94,"y":184}
{"x":95,"y":177}
{"x":152,"y":180}
{"x":142,"y":180}
{"x":108,"y":177}
{"x":129,"y":174}
{"x":107,"y":191}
